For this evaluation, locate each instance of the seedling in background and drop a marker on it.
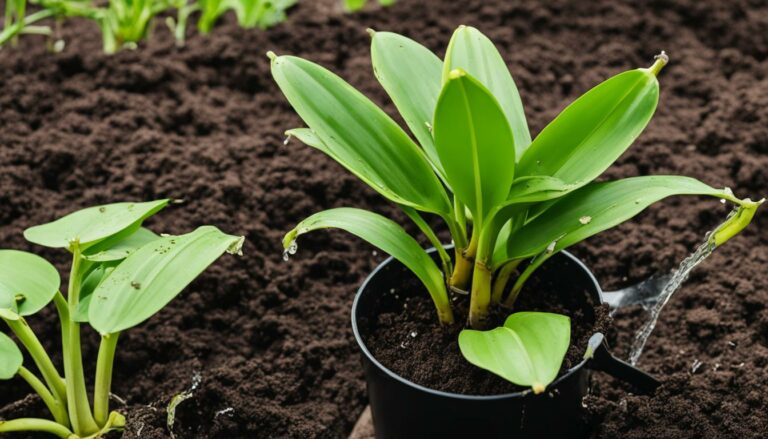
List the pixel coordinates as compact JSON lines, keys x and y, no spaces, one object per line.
{"x":121,"y":275}
{"x":125,"y":23}
{"x":356,"y":5}
{"x":509,"y":202}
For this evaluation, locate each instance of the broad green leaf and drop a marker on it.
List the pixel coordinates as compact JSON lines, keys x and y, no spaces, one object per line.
{"x":10,"y":358}
{"x":94,"y":224}
{"x":153,"y":275}
{"x":473,"y":52}
{"x":592,"y":209}
{"x":380,"y":232}
{"x":308,"y":137}
{"x":360,"y":136}
{"x":594,"y":130}
{"x":474,"y":144}
{"x":528,"y":350}
{"x":27,"y":282}
{"x":117,"y":247}
{"x":92,"y":280}
{"x":411,"y":75}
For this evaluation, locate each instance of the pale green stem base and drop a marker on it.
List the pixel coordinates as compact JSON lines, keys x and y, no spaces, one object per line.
{"x":104,"y":378}
{"x":56,"y":407}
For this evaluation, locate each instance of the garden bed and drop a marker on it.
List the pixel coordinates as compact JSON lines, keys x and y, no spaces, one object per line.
{"x":271,"y":340}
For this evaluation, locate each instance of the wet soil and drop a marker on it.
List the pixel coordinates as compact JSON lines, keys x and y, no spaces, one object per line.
{"x":402,"y":335}
{"x":271,"y":340}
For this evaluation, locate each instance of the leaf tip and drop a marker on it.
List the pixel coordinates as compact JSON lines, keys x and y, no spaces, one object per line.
{"x":538,"y":388}
{"x":271,"y":55}
{"x":661,"y":60}
{"x":236,"y":248}
{"x":456,"y":74}
{"x":371,"y":32}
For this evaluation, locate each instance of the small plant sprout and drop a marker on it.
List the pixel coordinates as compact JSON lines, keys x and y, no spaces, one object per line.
{"x":125,"y":23}
{"x":356,"y":5}
{"x":509,"y":201}
{"x":121,"y":275}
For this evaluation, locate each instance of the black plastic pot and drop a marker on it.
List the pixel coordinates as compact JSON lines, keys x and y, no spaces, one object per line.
{"x":402,"y":409}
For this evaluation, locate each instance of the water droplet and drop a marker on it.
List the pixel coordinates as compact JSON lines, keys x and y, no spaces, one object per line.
{"x":287,"y":140}
{"x":136,"y":285}
{"x":585,"y":219}
{"x":375,"y":253}
{"x":551,"y":247}
{"x":286,"y":256}
{"x":293,"y":248}
{"x":722,"y":201}
{"x":429,"y":126}
{"x":413,"y":334}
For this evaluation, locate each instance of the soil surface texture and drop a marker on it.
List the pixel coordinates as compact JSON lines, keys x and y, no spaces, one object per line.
{"x":401,"y":333}
{"x":271,"y":340}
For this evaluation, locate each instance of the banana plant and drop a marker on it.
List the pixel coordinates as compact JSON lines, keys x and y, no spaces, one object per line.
{"x":510,"y":201}
{"x":121,"y":275}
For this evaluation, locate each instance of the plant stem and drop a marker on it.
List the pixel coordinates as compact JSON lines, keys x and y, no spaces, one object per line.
{"x":34,"y":424}
{"x":500,"y":284}
{"x":520,"y":282}
{"x":104,"y":378}
{"x":56,"y":407}
{"x":430,"y":234}
{"x":465,"y":258}
{"x":77,"y":396}
{"x":480,"y":297}
{"x":42,"y":360}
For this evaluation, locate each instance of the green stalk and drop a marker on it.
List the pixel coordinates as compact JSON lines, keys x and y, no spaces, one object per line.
{"x":104,"y":378}
{"x":77,"y":396}
{"x":56,"y":407}
{"x":430,"y":234}
{"x":500,"y":284}
{"x":34,"y":424}
{"x":465,"y":258}
{"x":42,"y":360}
{"x":520,"y":282}
{"x":480,"y":298}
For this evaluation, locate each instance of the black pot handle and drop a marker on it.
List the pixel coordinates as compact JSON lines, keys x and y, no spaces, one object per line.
{"x":602,"y":360}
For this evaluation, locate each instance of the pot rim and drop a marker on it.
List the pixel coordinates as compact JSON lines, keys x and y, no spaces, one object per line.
{"x":444,"y":394}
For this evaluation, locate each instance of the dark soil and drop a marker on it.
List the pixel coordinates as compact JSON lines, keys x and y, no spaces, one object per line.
{"x":404,"y":338}
{"x":272,"y":340}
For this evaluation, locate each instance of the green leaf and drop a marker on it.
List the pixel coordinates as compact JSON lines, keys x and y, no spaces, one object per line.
{"x":592,"y":132}
{"x":528,"y":350}
{"x":411,"y":75}
{"x":92,"y":280}
{"x":473,"y":52}
{"x":153,"y":275}
{"x":592,"y":209}
{"x":117,"y":247}
{"x":380,"y":232}
{"x":94,"y":224}
{"x":360,"y":136}
{"x":27,"y":283}
{"x":474,"y":144}
{"x":10,"y":358}
{"x":354,"y":5}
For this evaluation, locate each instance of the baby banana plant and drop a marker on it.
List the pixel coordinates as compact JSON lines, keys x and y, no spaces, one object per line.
{"x":121,"y":275}
{"x":510,"y":201}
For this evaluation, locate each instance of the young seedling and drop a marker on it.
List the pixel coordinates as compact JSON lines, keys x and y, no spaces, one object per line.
{"x":121,"y":275}
{"x":509,"y":202}
{"x":125,"y":23}
{"x":356,"y":5}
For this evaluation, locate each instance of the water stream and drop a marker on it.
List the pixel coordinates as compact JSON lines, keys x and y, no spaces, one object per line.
{"x":653,"y":303}
{"x":653,"y":293}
